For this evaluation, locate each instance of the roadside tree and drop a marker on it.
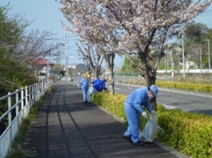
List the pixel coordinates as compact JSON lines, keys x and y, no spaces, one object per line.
{"x":87,"y":23}
{"x":137,"y":25}
{"x":17,"y":49}
{"x":93,"y":59}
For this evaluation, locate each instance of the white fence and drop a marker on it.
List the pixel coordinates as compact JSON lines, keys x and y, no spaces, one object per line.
{"x":187,"y":71}
{"x":19,"y":103}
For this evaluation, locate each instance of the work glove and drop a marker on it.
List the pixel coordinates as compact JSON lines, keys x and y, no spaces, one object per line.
{"x":144,"y":114}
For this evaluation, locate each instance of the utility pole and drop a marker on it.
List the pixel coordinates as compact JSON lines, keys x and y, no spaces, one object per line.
{"x":200,"y":60}
{"x":209,"y":56}
{"x":170,"y":53}
{"x":183,"y":54}
{"x":165,"y":62}
{"x":66,"y":57}
{"x":58,"y":56}
{"x":171,"y":56}
{"x":48,"y":66}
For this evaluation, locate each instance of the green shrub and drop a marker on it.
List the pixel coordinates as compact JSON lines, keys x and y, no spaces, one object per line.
{"x":112,"y":103}
{"x":189,"y":133}
{"x":186,"y":86}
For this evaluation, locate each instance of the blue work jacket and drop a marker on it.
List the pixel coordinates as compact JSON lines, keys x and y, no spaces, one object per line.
{"x":137,"y":98}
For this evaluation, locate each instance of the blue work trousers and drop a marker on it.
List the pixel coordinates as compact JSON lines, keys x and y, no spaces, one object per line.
{"x":133,"y":118}
{"x":84,"y":93}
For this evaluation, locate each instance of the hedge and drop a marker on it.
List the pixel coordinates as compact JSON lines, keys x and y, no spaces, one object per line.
{"x":189,"y":133}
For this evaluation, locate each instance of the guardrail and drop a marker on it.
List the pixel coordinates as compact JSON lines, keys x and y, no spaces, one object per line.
{"x":19,"y":103}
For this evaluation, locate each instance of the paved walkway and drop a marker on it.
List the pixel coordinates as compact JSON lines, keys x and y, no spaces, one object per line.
{"x":67,"y":128}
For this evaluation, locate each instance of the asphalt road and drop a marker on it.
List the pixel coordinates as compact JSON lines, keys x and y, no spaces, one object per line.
{"x":188,"y":101}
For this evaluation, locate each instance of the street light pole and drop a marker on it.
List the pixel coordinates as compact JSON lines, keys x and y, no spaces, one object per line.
{"x":209,"y":56}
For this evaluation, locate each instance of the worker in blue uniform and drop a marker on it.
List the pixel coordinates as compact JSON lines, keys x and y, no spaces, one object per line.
{"x":133,"y":108}
{"x":84,"y":84}
{"x":98,"y":85}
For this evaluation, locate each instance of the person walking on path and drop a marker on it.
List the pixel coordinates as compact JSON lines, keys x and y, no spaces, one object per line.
{"x":133,"y":108}
{"x":84,"y":84}
{"x":98,"y":85}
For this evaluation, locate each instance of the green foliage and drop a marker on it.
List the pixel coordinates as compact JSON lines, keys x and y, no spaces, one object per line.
{"x":112,"y":103}
{"x":16,"y":75}
{"x":13,"y":75}
{"x":189,"y":133}
{"x":11,"y":31}
{"x":195,"y":36}
{"x":127,"y":66}
{"x":195,"y":32}
{"x":186,"y":86}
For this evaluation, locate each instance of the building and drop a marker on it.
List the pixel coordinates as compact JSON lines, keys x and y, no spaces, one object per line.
{"x":41,"y":65}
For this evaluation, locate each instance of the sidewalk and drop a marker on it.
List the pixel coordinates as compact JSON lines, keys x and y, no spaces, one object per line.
{"x":67,"y":128}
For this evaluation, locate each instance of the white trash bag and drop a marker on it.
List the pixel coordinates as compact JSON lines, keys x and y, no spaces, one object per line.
{"x":89,"y":94}
{"x":151,"y":127}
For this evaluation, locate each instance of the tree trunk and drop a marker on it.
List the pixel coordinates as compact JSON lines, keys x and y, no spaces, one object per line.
{"x":149,"y":75}
{"x":153,"y":103}
{"x":111,"y":81}
{"x":109,"y":59}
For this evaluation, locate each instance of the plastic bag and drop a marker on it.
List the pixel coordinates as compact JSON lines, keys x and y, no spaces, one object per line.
{"x":148,"y":133}
{"x":89,"y":94}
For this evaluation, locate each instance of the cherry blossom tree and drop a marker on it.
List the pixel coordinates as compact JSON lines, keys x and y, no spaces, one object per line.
{"x":93,"y":58}
{"x":142,"y":25}
{"x":34,"y":45}
{"x":149,"y":24}
{"x":137,"y":26}
{"x":87,"y":23}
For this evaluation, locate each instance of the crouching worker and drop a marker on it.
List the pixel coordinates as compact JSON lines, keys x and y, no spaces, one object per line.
{"x":133,"y":109}
{"x":84,"y":84}
{"x":96,"y":86}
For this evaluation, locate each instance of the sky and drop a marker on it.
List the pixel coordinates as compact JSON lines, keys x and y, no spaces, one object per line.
{"x":47,"y":16}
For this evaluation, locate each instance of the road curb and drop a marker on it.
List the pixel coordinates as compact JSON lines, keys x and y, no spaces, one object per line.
{"x":171,"y":150}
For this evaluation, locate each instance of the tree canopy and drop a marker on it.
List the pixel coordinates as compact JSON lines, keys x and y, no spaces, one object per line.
{"x":136,"y":26}
{"x":18,"y":48}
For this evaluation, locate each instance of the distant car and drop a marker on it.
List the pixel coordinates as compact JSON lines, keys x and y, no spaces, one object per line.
{"x":73,"y":74}
{"x":79,"y":73}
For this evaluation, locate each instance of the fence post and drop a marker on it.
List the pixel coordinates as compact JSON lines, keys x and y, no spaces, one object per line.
{"x":30,"y":95}
{"x":9,"y":115}
{"x":37,"y":88}
{"x":26,"y":95}
{"x":22,"y":98}
{"x":26,"y":99}
{"x":17,"y":99}
{"x":33,"y":97}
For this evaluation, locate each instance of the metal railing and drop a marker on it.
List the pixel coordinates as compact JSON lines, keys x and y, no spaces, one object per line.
{"x":19,"y":103}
